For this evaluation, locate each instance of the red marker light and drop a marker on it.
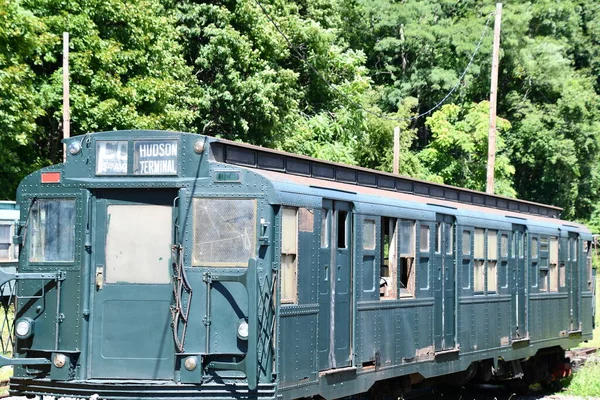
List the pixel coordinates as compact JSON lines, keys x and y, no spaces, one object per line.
{"x":50,"y":177}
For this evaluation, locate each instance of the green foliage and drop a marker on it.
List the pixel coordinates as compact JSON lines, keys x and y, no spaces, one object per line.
{"x":458,"y":151}
{"x":222,"y":68}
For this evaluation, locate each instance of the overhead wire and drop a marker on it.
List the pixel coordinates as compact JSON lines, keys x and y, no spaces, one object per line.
{"x":301,"y":56}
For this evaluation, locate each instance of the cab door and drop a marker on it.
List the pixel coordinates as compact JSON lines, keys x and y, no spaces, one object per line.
{"x":131,"y":318}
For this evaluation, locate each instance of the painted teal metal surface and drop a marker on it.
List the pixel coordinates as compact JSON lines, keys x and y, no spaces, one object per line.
{"x":338,"y":336}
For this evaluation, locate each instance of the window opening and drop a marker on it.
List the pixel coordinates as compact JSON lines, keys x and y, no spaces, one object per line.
{"x":479,"y":259}
{"x":289,"y":252}
{"x":5,"y":243}
{"x":142,"y":257}
{"x":504,"y":245}
{"x":466,"y":243}
{"x":553,"y":269}
{"x":324,"y":228}
{"x":424,"y":238}
{"x":534,"y":247}
{"x":368,"y":234}
{"x":543,"y":275}
{"x":53,"y":230}
{"x":438,"y":237}
{"x":544,"y":244}
{"x":342,"y":229}
{"x":389,"y":261}
{"x":224,"y":232}
{"x":521,"y":245}
{"x":449,"y":237}
{"x":306,"y":220}
{"x":407,"y":258}
{"x":492,"y":261}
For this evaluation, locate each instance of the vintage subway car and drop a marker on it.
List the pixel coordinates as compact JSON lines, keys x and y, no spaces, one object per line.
{"x":173,"y":265}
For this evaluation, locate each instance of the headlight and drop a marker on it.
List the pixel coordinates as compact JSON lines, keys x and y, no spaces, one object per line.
{"x":242,"y":330}
{"x":24,"y":328}
{"x":59,"y":360}
{"x":190,"y":363}
{"x":74,"y":147}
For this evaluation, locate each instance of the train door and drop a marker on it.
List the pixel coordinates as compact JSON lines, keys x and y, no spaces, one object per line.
{"x":335,"y":289}
{"x":574,"y":280}
{"x":131,"y":318}
{"x":519,"y":283}
{"x":444,"y":284}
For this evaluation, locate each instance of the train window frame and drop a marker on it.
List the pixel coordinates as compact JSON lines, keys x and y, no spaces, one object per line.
{"x":479,"y":260}
{"x":535,"y":249}
{"x":34,"y":237}
{"x":369,"y":232}
{"x":492,"y":261}
{"x":388,"y":274}
{"x":325,"y":212}
{"x":588,"y":262}
{"x":342,"y":228}
{"x":248,"y":239}
{"x":6,"y":243}
{"x":407,"y":272}
{"x":289,"y":255}
{"x":424,"y":238}
{"x":543,"y":276}
{"x":438,"y":237}
{"x":504,"y":246}
{"x":553,"y":249}
{"x":466,"y":239}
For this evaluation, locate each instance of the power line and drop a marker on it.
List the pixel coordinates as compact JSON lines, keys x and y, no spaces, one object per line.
{"x":300,"y":56}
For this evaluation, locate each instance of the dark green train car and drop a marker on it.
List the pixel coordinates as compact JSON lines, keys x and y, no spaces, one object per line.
{"x":171,"y":265}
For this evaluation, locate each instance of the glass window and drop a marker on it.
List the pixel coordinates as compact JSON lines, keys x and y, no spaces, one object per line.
{"x":224,"y":232}
{"x":466,"y":243}
{"x":111,"y":157}
{"x":543,"y":280}
{"x":521,"y":245}
{"x":543,"y":243}
{"x":138,"y":243}
{"x":289,"y":251}
{"x":438,"y":237}
{"x":553,"y":278}
{"x":324,"y":229}
{"x":368,"y":234}
{"x":449,"y":237}
{"x":5,"y":242}
{"x":424,"y":238}
{"x":407,"y":237}
{"x":573,"y":249}
{"x":492,"y":245}
{"x":479,"y":245}
{"x":504,"y":245}
{"x":52,"y":230}
{"x":534,"y":248}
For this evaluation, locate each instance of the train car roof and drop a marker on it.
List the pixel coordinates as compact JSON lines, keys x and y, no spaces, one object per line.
{"x":328,"y":172}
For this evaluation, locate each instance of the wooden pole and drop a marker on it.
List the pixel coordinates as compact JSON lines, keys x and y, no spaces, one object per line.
{"x":66,"y":105}
{"x":493,"y":95}
{"x":396,"y":150}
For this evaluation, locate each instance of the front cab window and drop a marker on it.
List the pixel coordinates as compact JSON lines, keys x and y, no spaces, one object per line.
{"x":52,"y":230}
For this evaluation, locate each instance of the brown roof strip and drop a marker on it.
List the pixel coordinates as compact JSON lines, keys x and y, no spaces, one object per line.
{"x":293,"y":164}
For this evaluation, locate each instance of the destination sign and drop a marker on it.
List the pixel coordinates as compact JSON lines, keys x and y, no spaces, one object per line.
{"x":155,"y":157}
{"x":111,"y":157}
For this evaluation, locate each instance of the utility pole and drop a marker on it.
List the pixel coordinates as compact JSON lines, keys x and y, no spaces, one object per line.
{"x":493,"y":95}
{"x":396,"y":150}
{"x":66,"y":105}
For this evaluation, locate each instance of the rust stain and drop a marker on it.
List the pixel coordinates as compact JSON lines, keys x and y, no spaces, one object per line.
{"x":425,"y":354}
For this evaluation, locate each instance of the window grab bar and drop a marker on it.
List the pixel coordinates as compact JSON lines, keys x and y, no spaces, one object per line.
{"x":250,"y":281}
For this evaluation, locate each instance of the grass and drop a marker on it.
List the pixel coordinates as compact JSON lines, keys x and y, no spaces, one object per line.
{"x":585,"y":382}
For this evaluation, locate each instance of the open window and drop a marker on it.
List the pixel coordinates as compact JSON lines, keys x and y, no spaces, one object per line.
{"x":407,"y":258}
{"x":389,"y":259}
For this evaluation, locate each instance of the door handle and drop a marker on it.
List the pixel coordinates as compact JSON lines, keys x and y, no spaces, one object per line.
{"x":99,"y":278}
